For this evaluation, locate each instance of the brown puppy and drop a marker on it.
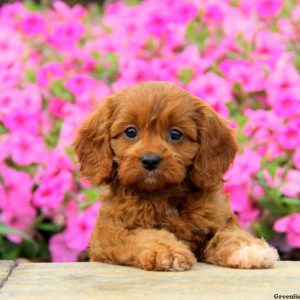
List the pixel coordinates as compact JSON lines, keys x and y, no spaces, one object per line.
{"x":162,"y":154}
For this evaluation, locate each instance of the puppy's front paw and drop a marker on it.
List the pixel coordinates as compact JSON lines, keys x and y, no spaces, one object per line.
{"x":254,"y":256}
{"x":164,"y":258}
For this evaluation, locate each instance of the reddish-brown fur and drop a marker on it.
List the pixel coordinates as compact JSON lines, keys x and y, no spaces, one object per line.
{"x":168,"y":219}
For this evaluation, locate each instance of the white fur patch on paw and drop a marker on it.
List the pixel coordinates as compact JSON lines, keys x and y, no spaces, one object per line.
{"x":253,"y":256}
{"x":179,"y":264}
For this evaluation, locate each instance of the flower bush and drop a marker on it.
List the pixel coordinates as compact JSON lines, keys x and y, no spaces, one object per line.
{"x":57,"y":63}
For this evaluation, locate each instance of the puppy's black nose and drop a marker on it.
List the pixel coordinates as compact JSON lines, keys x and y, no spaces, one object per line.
{"x":150,"y":161}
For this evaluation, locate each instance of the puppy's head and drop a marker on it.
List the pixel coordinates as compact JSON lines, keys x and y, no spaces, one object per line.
{"x":155,"y":135}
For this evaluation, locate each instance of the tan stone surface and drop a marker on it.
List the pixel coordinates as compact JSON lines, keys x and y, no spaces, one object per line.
{"x":6,"y":267}
{"x":99,"y":281}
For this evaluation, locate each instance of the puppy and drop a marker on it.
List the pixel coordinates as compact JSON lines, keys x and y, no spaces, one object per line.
{"x":162,"y":154}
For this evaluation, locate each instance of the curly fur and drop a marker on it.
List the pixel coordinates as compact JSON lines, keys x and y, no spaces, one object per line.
{"x":169,"y":218}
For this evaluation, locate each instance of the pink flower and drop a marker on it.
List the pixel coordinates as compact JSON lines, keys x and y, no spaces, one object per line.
{"x":7,"y":100}
{"x":66,"y":12}
{"x":246,"y":217}
{"x":239,"y":199}
{"x":79,"y":228}
{"x":11,"y":13}
{"x":33,"y":23}
{"x":290,"y":186}
{"x":244,"y":166}
{"x":51,"y":191}
{"x":56,"y":107}
{"x":289,"y":135}
{"x":11,"y":199}
{"x":274,"y":181}
{"x":183,"y":11}
{"x":56,"y":162}
{"x":11,"y":73}
{"x":284,"y":80}
{"x":11,"y":45}
{"x":241,"y":204}
{"x":59,"y":250}
{"x":236,"y":23}
{"x":49,"y":72}
{"x":286,"y":28}
{"x":249,"y":76}
{"x":22,"y":121}
{"x":71,"y":122}
{"x":268,"y":8}
{"x":269,"y":46}
{"x":211,"y":88}
{"x":79,"y":84}
{"x":157,"y":22}
{"x":26,"y":149}
{"x":20,"y":219}
{"x":261,"y":119}
{"x":11,"y":182}
{"x":136,"y":70}
{"x":214,"y":13}
{"x":291,"y":226}
{"x":257,"y":191}
{"x":297,"y":158}
{"x":30,"y":98}
{"x":67,"y":35}
{"x":286,"y":104}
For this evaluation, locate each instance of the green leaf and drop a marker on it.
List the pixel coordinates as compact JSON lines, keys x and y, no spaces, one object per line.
{"x":30,"y":75}
{"x":241,"y":120}
{"x":291,"y":201}
{"x":243,"y":43}
{"x":32,"y":5}
{"x":8,"y":250}
{"x":186,"y":75}
{"x":297,"y":59}
{"x":3,"y":130}
{"x":51,"y":139}
{"x":107,"y":68}
{"x":4,"y":230}
{"x":49,"y":227}
{"x":58,"y":89}
{"x":292,"y":205}
{"x":132,"y":2}
{"x":197,"y":33}
{"x":272,"y":169}
{"x":263,"y":230}
{"x":232,"y":108}
{"x":92,"y":196}
{"x":70,"y":152}
{"x":31,"y":169}
{"x":150,"y":44}
{"x":234,"y":3}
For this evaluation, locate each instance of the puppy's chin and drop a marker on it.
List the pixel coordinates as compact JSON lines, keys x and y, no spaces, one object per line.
{"x":152,"y":181}
{"x":143,"y":180}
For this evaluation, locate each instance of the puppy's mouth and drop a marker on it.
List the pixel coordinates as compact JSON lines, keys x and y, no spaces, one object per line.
{"x":132,"y":174}
{"x":151,"y":177}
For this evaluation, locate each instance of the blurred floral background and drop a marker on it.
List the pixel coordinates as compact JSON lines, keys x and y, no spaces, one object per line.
{"x":59,"y":60}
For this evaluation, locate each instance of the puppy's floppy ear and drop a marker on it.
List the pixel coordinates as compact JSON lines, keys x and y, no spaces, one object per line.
{"x":217,"y":150}
{"x":92,"y":145}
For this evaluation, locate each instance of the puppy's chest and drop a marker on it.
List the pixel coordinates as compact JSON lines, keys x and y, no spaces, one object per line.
{"x":146,"y":214}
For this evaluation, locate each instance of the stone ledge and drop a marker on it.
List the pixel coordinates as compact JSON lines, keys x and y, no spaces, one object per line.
{"x":38,"y":281}
{"x":6,"y":268}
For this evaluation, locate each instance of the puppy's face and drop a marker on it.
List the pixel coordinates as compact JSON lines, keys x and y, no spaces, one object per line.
{"x":155,"y":135}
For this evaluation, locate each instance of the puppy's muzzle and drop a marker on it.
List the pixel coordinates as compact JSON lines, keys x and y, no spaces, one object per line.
{"x":150,"y":161}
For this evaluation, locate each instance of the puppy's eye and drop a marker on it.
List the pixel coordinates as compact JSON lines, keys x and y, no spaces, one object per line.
{"x":131,"y":132}
{"x":175,"y":135}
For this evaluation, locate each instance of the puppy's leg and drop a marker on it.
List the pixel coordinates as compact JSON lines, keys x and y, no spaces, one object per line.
{"x":148,"y":249}
{"x":236,"y":248}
